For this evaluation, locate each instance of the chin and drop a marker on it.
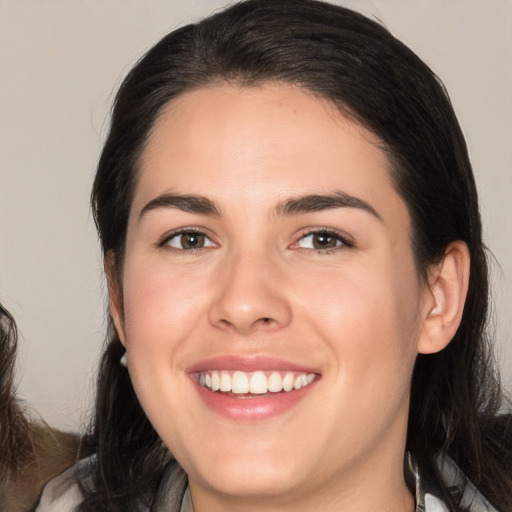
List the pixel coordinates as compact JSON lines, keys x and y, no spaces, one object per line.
{"x":256,"y":479}
{"x":246,"y":468}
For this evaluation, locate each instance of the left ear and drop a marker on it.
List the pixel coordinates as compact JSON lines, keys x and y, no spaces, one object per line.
{"x":445,"y":295}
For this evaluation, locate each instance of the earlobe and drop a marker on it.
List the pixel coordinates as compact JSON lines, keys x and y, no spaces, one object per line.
{"x":445,"y":297}
{"x":114,"y":295}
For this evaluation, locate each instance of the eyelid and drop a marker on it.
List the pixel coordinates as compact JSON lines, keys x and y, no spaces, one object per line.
{"x":163,"y":241}
{"x":346,"y":240}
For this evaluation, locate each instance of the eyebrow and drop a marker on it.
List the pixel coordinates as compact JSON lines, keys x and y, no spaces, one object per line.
{"x":293,"y":206}
{"x":318,"y":202}
{"x":185,"y":203}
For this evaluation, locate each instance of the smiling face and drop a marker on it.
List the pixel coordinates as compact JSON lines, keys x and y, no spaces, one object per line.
{"x":268,"y":254}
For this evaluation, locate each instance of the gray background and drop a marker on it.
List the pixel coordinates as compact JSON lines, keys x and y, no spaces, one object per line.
{"x":61,"y":62}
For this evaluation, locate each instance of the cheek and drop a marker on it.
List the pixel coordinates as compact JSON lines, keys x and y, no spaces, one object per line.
{"x":368,"y":313}
{"x":160,"y":308}
{"x":161,"y":312}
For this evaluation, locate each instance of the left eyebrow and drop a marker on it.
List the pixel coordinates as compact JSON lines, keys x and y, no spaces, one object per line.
{"x":318,"y":202}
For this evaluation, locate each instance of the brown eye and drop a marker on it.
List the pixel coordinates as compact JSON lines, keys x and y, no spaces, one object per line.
{"x":322,"y":240}
{"x":189,"y":240}
{"x":192,"y":240}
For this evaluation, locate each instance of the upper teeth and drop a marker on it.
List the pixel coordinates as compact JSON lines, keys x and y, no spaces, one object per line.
{"x":255,"y":382}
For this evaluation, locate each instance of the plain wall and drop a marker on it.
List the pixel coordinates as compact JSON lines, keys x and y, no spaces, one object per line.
{"x":61,"y":62}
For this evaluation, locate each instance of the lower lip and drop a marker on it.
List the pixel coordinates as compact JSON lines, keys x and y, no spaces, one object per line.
{"x":252,"y":408}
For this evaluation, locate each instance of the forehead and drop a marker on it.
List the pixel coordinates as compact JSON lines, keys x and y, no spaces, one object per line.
{"x":224,"y":141}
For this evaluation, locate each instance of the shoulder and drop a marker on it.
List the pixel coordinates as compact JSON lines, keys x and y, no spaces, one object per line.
{"x":471,"y":499}
{"x":429,"y":497}
{"x":62,"y":494}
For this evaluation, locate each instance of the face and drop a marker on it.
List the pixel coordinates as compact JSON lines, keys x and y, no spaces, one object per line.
{"x":271,"y":305}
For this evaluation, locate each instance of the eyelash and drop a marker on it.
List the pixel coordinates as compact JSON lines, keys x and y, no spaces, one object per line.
{"x":164,"y":243}
{"x":344,"y":241}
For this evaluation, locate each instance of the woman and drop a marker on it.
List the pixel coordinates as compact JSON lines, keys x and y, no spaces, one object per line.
{"x":30,"y":453}
{"x":296,"y":272}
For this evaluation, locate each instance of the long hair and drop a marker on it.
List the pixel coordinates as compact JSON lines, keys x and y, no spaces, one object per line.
{"x":381,"y":84}
{"x":13,"y":424}
{"x":30,"y":453}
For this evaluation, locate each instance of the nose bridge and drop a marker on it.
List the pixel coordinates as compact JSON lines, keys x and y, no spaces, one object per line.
{"x":249,"y":296}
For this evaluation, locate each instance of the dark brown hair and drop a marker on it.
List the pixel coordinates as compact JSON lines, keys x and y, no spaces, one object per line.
{"x":13,"y":424}
{"x":30,"y":453}
{"x":375,"y":79}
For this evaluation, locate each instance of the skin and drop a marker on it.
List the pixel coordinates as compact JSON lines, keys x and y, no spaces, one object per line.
{"x":358,"y":313}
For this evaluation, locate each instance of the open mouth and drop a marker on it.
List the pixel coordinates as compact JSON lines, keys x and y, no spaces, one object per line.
{"x":252,"y":389}
{"x":260,"y":382}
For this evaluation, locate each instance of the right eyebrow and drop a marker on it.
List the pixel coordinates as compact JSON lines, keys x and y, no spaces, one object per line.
{"x":185,"y":203}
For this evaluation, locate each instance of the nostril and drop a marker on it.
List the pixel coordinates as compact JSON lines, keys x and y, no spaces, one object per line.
{"x":225,"y":322}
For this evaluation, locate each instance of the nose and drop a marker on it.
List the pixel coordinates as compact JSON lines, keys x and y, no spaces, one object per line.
{"x":250,"y":296}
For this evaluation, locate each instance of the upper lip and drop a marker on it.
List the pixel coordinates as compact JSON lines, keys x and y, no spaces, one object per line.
{"x":249,"y":364}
